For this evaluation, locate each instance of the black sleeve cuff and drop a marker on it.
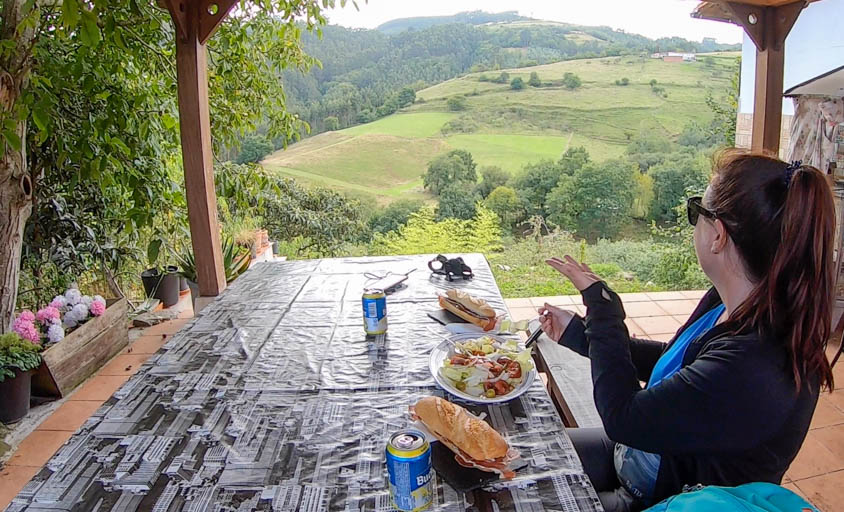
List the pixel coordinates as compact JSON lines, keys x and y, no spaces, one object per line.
{"x":574,"y":337}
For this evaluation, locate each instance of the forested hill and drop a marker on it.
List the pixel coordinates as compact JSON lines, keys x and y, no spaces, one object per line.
{"x":363,"y":72}
{"x":468,"y":18}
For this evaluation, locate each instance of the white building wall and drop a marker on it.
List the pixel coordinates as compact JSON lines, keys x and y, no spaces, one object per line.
{"x":814,"y":46}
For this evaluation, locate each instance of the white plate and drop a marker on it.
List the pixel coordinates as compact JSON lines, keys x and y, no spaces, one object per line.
{"x":446,"y":349}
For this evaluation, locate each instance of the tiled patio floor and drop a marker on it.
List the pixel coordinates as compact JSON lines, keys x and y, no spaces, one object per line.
{"x":817,"y":473}
{"x":34,"y":451}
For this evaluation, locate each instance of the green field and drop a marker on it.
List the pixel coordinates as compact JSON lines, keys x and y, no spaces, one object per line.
{"x":384,"y":160}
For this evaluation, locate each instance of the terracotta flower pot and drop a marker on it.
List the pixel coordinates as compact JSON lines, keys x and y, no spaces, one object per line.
{"x":14,"y":396}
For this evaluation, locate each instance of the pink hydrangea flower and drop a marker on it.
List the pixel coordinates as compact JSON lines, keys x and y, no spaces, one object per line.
{"x":48,"y":315}
{"x":58,"y":302}
{"x":27,"y":316}
{"x":97,"y":308}
{"x":27,"y":331}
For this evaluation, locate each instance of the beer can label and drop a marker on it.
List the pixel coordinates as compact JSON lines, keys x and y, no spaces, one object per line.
{"x":375,"y":314}
{"x":411,"y":478}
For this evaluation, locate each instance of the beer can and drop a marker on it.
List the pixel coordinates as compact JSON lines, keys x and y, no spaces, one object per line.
{"x":374,"y":312}
{"x":409,"y":467}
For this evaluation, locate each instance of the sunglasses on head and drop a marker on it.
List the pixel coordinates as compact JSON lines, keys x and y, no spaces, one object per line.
{"x":694,"y":209}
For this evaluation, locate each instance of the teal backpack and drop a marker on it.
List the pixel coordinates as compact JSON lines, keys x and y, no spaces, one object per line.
{"x":754,"y":497}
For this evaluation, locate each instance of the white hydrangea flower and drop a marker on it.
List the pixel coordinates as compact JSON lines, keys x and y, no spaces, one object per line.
{"x":55,"y":333}
{"x":80,"y":312}
{"x":73,"y":296}
{"x":99,"y":298}
{"x":87,"y":300}
{"x":59,"y":301}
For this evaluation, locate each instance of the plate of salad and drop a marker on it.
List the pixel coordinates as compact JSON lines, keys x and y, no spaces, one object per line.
{"x":482,"y":368}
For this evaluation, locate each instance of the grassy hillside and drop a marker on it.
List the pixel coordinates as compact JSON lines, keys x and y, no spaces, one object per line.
{"x":384,"y":160}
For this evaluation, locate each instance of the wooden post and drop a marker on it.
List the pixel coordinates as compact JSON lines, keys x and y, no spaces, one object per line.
{"x":193,"y":29}
{"x":768,"y":28}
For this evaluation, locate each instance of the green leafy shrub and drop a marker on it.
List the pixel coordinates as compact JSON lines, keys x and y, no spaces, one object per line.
{"x":459,"y":125}
{"x":506,"y":204}
{"x":320,"y":220}
{"x":16,"y":353}
{"x":394,"y":216}
{"x":492,"y":177}
{"x":517,"y":84}
{"x":680,"y":174}
{"x":423,"y":234}
{"x":456,"y":201}
{"x":535,"y":182}
{"x":456,"y":103}
{"x":453,"y":168}
{"x":503,"y":78}
{"x":534,"y":80}
{"x":571,"y":81}
{"x":331,"y":123}
{"x":256,"y":147}
{"x":596,"y":201}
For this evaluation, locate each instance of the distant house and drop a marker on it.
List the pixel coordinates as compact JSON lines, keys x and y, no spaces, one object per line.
{"x":679,"y":57}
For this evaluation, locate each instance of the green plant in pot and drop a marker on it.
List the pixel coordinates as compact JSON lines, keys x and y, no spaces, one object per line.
{"x":18,"y":358}
{"x":235,"y":262}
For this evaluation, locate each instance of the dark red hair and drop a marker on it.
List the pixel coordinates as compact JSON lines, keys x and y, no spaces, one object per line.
{"x":782,"y":220}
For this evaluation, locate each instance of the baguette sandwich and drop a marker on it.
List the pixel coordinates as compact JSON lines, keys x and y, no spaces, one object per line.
{"x":469,"y":308}
{"x":474,"y":442}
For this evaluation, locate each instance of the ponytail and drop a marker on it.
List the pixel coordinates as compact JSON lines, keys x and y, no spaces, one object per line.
{"x":782,"y":220}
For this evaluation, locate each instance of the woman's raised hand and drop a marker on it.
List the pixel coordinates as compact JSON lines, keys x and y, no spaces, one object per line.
{"x":554,"y":320}
{"x":580,"y":275}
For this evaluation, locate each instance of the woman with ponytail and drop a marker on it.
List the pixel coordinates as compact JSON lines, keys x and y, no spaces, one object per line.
{"x":729,"y":400}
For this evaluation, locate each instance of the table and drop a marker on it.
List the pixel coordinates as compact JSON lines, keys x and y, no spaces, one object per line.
{"x":274,"y":399}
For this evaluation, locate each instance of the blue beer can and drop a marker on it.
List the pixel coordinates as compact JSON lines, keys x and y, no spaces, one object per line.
{"x":374,"y":312}
{"x":409,"y":467}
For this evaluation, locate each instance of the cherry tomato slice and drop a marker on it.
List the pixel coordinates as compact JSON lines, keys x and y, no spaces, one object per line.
{"x":514,"y":370}
{"x":501,"y":388}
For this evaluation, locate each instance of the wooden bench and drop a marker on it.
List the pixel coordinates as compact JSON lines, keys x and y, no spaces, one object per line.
{"x":569,"y":383}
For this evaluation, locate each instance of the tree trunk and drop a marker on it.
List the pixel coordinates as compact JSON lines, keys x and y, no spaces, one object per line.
{"x":15,"y":207}
{"x":15,"y":182}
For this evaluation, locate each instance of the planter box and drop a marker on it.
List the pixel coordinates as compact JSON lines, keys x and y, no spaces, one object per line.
{"x":84,"y":351}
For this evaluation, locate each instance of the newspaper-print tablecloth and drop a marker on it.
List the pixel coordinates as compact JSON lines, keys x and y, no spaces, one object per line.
{"x":273,"y":399}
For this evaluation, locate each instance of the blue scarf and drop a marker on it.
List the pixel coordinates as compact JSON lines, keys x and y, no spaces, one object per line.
{"x":638,"y":470}
{"x":671,"y":361}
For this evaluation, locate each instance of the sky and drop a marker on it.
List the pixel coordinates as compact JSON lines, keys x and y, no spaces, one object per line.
{"x":651,"y":18}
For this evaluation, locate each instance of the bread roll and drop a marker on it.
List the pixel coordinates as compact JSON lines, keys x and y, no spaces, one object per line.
{"x":474,"y":437}
{"x":474,"y":304}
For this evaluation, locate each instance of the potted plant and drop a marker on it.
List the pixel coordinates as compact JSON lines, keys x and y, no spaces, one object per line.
{"x":183,"y":283}
{"x":187,"y":264}
{"x":151,"y":278}
{"x":235,"y":262}
{"x":18,"y":358}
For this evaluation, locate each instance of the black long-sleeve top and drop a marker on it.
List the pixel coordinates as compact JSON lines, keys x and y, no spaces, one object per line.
{"x":730,"y":415}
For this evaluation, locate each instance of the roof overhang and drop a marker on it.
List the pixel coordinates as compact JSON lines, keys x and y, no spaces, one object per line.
{"x":830,"y":83}
{"x":719,"y":10}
